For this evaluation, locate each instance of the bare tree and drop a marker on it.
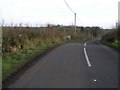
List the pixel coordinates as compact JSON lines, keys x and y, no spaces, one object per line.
{"x":12,"y":23}
{"x":2,"y":22}
{"x":27,"y":25}
{"x":20,"y":25}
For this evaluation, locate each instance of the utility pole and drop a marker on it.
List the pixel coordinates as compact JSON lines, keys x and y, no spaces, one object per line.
{"x":2,"y":23}
{"x":1,"y":20}
{"x":75,"y":25}
{"x":119,"y":14}
{"x":74,"y":17}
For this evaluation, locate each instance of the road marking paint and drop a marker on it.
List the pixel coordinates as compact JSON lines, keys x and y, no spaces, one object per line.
{"x":85,"y":44}
{"x":95,"y":80}
{"x":86,"y":56}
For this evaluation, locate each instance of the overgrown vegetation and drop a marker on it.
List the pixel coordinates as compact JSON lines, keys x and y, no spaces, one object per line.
{"x":112,"y":38}
{"x":20,"y":44}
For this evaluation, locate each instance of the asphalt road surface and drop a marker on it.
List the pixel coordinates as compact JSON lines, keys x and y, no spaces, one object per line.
{"x":73,"y":65}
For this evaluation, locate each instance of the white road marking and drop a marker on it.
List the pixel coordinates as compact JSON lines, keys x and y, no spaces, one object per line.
{"x":85,"y":44}
{"x":95,"y":80}
{"x":86,"y":56}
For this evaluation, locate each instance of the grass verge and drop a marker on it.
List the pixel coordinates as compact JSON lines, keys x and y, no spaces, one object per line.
{"x":114,"y":45}
{"x":12,"y":63}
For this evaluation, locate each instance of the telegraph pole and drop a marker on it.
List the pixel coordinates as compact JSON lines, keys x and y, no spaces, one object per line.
{"x":74,"y":17}
{"x":1,"y":20}
{"x":75,"y":25}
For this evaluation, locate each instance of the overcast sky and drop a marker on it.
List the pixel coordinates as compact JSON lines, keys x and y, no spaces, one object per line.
{"x":103,"y":13}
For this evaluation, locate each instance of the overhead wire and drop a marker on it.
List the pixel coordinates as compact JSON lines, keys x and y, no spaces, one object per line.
{"x":80,"y":21}
{"x":69,"y":6}
{"x":73,"y":12}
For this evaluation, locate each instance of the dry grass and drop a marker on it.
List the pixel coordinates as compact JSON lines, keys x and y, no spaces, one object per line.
{"x":15,"y":39}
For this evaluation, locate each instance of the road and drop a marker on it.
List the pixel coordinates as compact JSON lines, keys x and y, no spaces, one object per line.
{"x":73,"y":65}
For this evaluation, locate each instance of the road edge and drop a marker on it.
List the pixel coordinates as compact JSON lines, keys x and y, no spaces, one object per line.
{"x":29,"y":64}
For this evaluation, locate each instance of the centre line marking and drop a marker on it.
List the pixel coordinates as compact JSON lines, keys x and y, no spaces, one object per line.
{"x":86,"y":56}
{"x":85,"y":44}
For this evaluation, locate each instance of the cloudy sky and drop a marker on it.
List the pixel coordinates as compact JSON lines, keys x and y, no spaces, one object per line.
{"x":103,"y":13}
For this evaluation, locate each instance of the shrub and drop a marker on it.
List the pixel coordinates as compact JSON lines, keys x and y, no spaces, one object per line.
{"x":15,"y":39}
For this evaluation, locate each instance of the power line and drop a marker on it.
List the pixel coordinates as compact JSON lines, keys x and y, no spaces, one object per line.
{"x":73,"y":12}
{"x":69,"y":6}
{"x":74,"y":16}
{"x":80,"y":20}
